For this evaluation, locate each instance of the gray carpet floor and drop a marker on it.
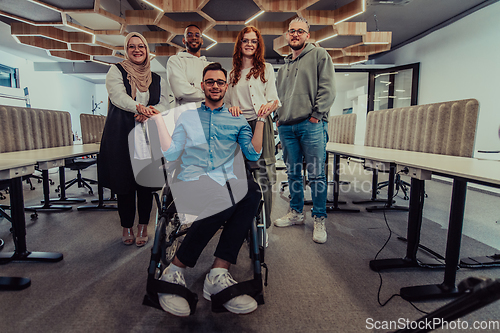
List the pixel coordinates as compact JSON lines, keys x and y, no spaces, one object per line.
{"x":100,"y":283}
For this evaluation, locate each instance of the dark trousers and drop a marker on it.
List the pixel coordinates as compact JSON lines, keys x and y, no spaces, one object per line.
{"x":215,"y":209}
{"x":127,"y":204}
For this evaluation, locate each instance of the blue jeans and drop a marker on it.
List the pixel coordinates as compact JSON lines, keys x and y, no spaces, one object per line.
{"x":306,"y":141}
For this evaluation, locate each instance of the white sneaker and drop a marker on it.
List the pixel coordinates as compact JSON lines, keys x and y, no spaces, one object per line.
{"x":319,"y":233}
{"x":293,"y":217}
{"x":174,"y":304}
{"x":241,"y":304}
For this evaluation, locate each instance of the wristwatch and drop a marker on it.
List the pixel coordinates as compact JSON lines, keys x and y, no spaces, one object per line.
{"x":261,"y":119}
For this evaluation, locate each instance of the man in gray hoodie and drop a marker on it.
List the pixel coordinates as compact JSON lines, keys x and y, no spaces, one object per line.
{"x":306,"y":89}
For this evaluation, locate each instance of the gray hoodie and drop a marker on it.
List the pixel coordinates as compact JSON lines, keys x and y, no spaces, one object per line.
{"x":306,"y":86}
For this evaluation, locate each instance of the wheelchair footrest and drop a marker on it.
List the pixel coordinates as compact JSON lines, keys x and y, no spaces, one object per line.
{"x":252,"y":288}
{"x":154,"y":287}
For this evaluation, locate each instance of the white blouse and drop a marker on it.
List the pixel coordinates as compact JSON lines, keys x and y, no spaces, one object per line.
{"x":252,"y":94}
{"x":118,"y":93}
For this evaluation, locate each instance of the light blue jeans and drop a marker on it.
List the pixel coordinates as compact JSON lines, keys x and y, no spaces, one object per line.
{"x":306,"y":141}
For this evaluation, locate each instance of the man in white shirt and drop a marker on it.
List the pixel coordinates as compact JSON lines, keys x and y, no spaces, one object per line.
{"x":184,"y":70}
{"x":184,"y":74}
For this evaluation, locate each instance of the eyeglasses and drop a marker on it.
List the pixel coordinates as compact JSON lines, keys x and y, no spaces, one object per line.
{"x":140,"y":47}
{"x":300,"y":32}
{"x":191,"y":35}
{"x":210,"y":82}
{"x":250,"y":41}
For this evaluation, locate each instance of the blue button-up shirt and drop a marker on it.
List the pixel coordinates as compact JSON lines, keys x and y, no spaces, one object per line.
{"x":207,"y":140}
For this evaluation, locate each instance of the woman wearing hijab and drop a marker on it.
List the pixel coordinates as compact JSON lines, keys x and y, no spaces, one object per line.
{"x":132,"y":87}
{"x":252,"y":92}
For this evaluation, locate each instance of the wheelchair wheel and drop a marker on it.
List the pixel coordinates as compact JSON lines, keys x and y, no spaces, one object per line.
{"x":172,"y":240}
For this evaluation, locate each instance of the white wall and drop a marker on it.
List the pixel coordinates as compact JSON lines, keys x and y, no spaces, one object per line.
{"x":352,"y":91}
{"x":461,"y":61}
{"x":101,"y":94}
{"x":49,"y":90}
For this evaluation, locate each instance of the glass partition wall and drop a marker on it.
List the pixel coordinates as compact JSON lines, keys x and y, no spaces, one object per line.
{"x":360,"y":91}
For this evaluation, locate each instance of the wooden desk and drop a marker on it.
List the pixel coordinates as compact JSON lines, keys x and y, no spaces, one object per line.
{"x":50,"y":158}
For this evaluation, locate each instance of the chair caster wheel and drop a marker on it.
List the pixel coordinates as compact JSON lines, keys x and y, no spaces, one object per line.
{"x":39,"y":181}
{"x":34,"y":216}
{"x":91,"y":192}
{"x":57,"y":190}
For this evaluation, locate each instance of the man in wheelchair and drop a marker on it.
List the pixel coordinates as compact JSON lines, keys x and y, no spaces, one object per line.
{"x":206,"y":140}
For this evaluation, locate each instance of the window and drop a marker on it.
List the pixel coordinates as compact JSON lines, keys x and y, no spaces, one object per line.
{"x":9,"y":77}
{"x":393,"y":87}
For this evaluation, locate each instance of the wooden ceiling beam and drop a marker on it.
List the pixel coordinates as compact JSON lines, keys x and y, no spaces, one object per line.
{"x":362,"y":50}
{"x":326,"y":32}
{"x":43,"y":43}
{"x":346,"y":12}
{"x":70,"y":55}
{"x":91,"y":50}
{"x":156,"y":37}
{"x":279,"y":5}
{"x":166,"y":50}
{"x":140,"y":17}
{"x":318,"y":17}
{"x":351,"y":28}
{"x":176,"y":6}
{"x":271,"y":28}
{"x":378,"y":37}
{"x":335,"y":53}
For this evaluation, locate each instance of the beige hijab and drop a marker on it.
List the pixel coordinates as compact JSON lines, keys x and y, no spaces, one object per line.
{"x":139,"y":76}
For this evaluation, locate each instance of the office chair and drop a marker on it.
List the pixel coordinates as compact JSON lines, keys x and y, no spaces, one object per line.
{"x":79,"y":164}
{"x":400,"y":185}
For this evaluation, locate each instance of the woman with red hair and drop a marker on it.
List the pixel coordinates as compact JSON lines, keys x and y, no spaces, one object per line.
{"x":251,"y":93}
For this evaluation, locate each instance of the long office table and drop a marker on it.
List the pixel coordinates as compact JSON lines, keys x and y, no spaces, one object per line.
{"x":13,"y":171}
{"x":420,"y":167}
{"x":462,"y":170}
{"x":48,"y":158}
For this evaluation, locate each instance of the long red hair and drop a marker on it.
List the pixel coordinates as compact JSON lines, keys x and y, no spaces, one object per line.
{"x":258,"y":62}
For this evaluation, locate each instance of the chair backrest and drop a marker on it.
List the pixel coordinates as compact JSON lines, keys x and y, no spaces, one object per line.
{"x":342,"y":128}
{"x":92,"y":127}
{"x":446,"y":128}
{"x":28,"y":128}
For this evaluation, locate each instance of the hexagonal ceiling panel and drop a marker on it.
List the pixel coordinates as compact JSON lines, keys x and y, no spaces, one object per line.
{"x":94,"y":30}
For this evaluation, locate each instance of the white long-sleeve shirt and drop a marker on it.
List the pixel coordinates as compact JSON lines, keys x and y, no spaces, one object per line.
{"x":184,"y":74}
{"x":118,"y":93}
{"x":252,"y":94}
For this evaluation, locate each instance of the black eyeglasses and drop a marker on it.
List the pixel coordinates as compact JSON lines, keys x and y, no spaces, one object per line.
{"x":210,"y":82}
{"x":250,"y":41}
{"x":191,"y":35}
{"x":300,"y":32}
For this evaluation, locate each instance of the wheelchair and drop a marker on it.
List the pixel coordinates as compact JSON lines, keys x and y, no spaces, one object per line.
{"x":169,"y":233}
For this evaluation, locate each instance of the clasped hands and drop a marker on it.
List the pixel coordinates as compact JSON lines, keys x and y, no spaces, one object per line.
{"x":264,"y":111}
{"x":144,"y":113}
